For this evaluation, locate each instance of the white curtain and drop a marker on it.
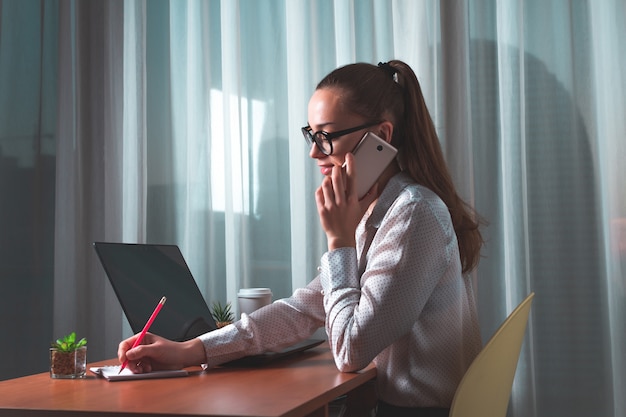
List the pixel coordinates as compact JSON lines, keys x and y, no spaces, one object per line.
{"x":178,"y":122}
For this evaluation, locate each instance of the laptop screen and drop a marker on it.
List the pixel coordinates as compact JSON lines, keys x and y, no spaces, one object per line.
{"x":141,"y":274}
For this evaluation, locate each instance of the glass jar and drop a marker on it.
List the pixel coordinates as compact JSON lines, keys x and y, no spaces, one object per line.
{"x":68,"y":365}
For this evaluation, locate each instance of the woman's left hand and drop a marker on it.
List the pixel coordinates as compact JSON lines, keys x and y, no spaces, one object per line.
{"x":338,"y":205}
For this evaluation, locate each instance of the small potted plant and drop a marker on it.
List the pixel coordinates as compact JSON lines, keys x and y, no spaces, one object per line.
{"x":68,"y":357}
{"x":222,"y":315}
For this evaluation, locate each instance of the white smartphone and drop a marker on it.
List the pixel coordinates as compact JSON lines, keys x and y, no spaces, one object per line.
{"x":371,"y":156}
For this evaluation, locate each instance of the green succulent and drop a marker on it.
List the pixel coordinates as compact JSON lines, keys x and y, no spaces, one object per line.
{"x":68,"y":343}
{"x":222,"y":313}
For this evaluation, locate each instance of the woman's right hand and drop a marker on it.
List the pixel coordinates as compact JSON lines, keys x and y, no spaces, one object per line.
{"x":339,"y":207}
{"x":157,"y":353}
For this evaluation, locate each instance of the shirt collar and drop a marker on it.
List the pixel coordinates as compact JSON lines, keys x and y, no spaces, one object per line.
{"x":394,"y":187}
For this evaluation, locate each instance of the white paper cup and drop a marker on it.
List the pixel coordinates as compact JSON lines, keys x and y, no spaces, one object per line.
{"x":251,"y":299}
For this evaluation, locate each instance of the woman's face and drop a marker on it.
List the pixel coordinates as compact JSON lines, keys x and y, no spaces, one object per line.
{"x":327,"y":113}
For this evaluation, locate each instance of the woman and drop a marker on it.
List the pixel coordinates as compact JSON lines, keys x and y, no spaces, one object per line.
{"x":392,"y":287}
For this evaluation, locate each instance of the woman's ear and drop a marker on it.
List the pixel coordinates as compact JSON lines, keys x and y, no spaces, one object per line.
{"x":385,"y":131}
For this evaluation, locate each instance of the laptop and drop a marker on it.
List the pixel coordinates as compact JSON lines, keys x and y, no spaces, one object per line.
{"x":141,"y":274}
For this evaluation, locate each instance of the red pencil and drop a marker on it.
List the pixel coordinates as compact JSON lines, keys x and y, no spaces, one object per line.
{"x":145,"y":330}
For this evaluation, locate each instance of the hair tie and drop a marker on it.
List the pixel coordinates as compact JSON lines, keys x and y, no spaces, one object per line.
{"x":389,"y":70}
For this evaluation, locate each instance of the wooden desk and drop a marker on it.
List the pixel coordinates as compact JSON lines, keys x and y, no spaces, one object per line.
{"x":298,"y":386}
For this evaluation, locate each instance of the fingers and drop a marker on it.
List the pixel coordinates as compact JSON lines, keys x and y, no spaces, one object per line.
{"x":333,"y":188}
{"x":325,"y":195}
{"x":125,"y":346}
{"x":319,"y":198}
{"x":339,"y":184}
{"x":350,"y":175}
{"x":137,"y":357}
{"x":140,"y":367}
{"x":125,"y":349}
{"x":338,"y":189}
{"x":327,"y":189}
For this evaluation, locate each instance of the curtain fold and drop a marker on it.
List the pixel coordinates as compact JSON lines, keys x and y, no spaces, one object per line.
{"x":128,"y":63}
{"x":89,"y":171}
{"x":605,"y":100}
{"x":179,"y":122}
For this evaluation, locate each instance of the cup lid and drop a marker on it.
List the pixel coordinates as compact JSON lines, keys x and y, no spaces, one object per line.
{"x":254,"y":292}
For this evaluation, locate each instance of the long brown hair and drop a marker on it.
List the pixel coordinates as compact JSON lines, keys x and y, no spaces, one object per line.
{"x":391,"y":92}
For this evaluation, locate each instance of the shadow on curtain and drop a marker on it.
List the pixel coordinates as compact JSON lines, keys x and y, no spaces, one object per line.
{"x":554,"y":223}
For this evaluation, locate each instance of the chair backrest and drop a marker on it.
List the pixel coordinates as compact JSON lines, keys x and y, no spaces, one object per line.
{"x":485,"y":389}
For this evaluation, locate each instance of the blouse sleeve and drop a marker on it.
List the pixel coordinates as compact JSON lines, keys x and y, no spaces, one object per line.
{"x":408,"y":255}
{"x":271,"y":328}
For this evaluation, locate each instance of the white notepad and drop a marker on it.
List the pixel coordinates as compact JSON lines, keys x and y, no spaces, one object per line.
{"x":111,"y":373}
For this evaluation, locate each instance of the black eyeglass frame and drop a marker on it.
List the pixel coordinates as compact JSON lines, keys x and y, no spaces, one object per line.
{"x":321,"y":137}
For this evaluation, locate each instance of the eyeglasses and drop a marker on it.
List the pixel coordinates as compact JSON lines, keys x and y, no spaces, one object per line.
{"x":324,"y":140}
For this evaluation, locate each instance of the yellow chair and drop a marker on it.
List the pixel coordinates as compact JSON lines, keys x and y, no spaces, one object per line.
{"x":485,"y":389}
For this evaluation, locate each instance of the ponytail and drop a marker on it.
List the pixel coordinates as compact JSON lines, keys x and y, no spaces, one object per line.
{"x":423,"y":159}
